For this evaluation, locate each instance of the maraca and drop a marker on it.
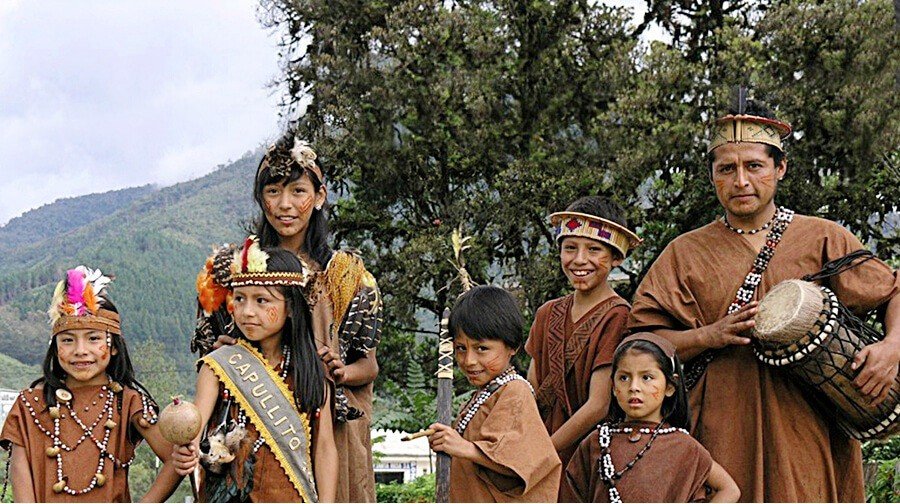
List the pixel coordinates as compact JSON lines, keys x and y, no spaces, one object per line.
{"x":179,"y":423}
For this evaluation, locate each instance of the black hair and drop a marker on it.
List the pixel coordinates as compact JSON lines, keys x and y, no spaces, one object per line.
{"x":316,"y":242}
{"x":603,"y":207}
{"x":675,"y":409}
{"x":487,"y":313}
{"x":119,"y":368}
{"x":305,"y":366}
{"x":759,"y":109}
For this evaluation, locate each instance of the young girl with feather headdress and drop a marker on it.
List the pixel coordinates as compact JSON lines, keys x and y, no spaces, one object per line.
{"x":344,"y":300}
{"x":72,"y":435}
{"x":264,"y":400}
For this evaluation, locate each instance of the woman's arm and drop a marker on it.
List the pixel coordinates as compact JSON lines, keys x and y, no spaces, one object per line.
{"x":168,"y":479}
{"x":361,"y":372}
{"x":20,"y":472}
{"x":588,"y":415}
{"x":325,"y":464}
{"x":723,"y":486}
{"x":186,"y":457}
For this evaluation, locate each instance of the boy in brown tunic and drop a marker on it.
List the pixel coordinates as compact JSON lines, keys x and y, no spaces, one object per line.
{"x":573,"y":338}
{"x":500,"y":451}
{"x":753,"y":418}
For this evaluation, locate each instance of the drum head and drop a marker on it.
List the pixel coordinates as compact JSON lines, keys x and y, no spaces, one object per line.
{"x":788,"y":312}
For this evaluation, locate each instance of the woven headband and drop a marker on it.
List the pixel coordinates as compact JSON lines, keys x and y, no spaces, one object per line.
{"x":748,"y":128}
{"x":268,"y":279}
{"x":665,"y":345}
{"x":103,"y":320}
{"x":583,"y":225}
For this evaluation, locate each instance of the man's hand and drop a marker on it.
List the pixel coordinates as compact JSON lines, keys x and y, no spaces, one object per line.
{"x":223,"y":340}
{"x":333,"y":364}
{"x":446,"y":439}
{"x":730,"y":328}
{"x":879,"y":369}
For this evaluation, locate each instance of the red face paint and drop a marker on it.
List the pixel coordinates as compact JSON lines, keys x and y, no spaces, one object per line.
{"x":305,"y":205}
{"x":767,"y":180}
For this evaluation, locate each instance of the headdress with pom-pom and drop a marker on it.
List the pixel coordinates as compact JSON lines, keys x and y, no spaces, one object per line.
{"x":77,"y":303}
{"x":250,"y":267}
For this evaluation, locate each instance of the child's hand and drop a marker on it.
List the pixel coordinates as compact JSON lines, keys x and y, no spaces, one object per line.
{"x":185,"y":458}
{"x":223,"y":340}
{"x":333,"y":364}
{"x":446,"y":439}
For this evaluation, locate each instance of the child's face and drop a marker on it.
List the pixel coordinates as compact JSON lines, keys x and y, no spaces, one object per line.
{"x":640,"y":387}
{"x":586,"y":262}
{"x":84,"y":355}
{"x":260,"y":312}
{"x":481,"y":360}
{"x":288,"y":208}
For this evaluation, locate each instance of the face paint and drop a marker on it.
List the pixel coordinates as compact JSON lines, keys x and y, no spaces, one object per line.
{"x":305,"y":205}
{"x":272,"y":314}
{"x":767,"y":180}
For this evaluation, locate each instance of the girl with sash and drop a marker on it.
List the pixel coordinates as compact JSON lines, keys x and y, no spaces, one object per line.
{"x":573,"y":337}
{"x":343,"y":296}
{"x":500,"y":451}
{"x":73,"y":433}
{"x":643,"y":452}
{"x":264,"y":400}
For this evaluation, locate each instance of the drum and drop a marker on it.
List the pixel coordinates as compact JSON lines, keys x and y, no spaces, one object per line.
{"x":803,"y":328}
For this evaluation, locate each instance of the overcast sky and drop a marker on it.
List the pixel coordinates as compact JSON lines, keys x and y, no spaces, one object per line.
{"x":103,"y":95}
{"x":98,"y":95}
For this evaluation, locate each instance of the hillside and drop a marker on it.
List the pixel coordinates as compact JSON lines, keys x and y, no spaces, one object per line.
{"x":153,"y":244}
{"x":15,"y":375}
{"x":64,"y":215}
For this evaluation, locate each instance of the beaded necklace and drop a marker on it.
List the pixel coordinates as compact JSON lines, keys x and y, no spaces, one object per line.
{"x":65,"y":398}
{"x":695,"y":368}
{"x":748,"y":231}
{"x":482,"y":395}
{"x":608,"y":473}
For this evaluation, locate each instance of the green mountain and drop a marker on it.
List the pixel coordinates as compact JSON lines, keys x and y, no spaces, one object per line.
{"x":15,"y":375}
{"x":153,"y":240}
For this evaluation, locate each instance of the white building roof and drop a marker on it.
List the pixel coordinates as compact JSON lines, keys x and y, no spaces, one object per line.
{"x":391,"y":446}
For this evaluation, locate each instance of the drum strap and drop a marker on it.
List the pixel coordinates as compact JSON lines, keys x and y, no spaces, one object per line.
{"x":696,"y":367}
{"x":840,"y":265}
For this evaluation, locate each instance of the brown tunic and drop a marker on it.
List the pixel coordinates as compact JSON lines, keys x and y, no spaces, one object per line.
{"x":674,"y":469}
{"x":81,"y":463}
{"x":507,"y":429}
{"x":266,"y":482}
{"x":753,"y":418}
{"x":565,"y":354}
{"x":330,"y":301}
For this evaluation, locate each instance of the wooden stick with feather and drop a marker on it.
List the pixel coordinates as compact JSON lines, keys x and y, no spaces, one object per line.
{"x":445,"y":367}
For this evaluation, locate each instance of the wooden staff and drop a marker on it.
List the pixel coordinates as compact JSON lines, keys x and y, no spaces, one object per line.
{"x":444,"y":405}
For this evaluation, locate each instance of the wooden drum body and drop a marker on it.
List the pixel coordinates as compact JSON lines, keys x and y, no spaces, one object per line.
{"x":803,"y":328}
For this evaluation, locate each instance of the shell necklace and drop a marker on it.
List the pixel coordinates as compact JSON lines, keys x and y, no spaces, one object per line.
{"x":477,"y":400}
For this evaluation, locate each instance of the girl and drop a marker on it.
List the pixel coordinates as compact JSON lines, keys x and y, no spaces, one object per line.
{"x":345,"y":301}
{"x":73,"y":433}
{"x":573,"y":338}
{"x":499,"y":448}
{"x":263,"y":400}
{"x":643,"y":451}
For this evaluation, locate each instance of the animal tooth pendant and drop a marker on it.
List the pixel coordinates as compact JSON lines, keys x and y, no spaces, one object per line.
{"x":116,"y":387}
{"x":110,"y":424}
{"x":54,"y":412}
{"x":101,"y":479}
{"x":53,"y":451}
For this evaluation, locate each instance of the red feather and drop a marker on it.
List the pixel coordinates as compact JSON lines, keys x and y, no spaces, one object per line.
{"x":247,"y":243}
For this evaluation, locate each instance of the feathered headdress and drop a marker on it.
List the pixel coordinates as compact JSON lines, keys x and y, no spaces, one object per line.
{"x":278,"y":159}
{"x":77,"y":303}
{"x":212,"y":281}
{"x":250,"y":267}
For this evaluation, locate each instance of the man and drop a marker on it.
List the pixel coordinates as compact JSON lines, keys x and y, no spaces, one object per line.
{"x":755,"y":419}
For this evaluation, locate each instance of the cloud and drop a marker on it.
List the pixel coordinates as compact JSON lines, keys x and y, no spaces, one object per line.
{"x":102,"y":95}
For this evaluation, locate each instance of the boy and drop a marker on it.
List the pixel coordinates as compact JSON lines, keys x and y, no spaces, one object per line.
{"x":574,"y":337}
{"x":500,"y":451}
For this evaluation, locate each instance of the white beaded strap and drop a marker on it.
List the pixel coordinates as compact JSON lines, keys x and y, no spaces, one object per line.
{"x":482,"y":396}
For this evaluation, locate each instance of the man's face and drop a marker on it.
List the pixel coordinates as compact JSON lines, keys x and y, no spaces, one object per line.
{"x":745,"y":177}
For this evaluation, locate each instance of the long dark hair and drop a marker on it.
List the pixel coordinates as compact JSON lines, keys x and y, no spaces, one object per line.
{"x":675,"y":409}
{"x":305,"y":366}
{"x":316,"y":242}
{"x":119,"y":369}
